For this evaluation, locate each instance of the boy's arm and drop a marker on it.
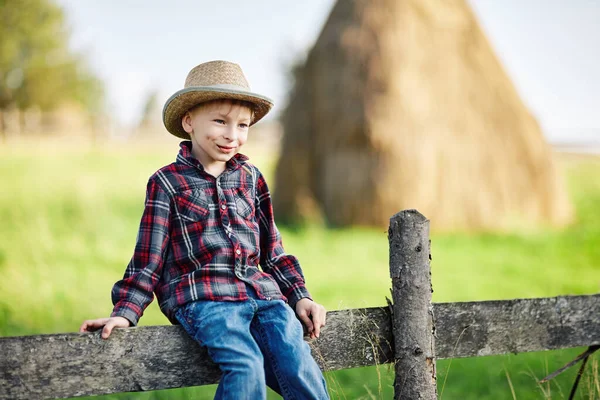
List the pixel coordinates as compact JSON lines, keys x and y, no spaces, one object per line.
{"x":132,"y":294}
{"x":285,"y":268}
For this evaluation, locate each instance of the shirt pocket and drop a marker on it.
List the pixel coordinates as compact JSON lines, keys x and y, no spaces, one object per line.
{"x":244,"y":202}
{"x":192,"y":205}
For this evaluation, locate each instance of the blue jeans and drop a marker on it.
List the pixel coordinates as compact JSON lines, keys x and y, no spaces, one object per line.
{"x":255,"y":343}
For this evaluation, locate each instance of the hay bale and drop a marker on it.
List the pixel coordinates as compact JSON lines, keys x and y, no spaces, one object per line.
{"x":403,"y":104}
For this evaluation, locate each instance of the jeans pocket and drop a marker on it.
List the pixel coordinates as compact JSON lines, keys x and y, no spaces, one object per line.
{"x":185,"y":317}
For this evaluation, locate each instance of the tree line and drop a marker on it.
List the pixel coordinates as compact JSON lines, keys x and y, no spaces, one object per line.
{"x":37,"y":68}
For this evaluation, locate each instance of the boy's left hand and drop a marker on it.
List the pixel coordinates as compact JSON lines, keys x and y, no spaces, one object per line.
{"x":312,"y":315}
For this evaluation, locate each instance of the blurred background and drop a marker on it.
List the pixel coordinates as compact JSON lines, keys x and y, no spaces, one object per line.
{"x":483,"y":115}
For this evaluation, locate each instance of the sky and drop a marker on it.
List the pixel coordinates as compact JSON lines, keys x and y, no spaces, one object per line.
{"x":549,"y":48}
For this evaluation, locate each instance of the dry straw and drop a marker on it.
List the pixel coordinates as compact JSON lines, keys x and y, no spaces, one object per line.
{"x":403,"y":104}
{"x":212,"y":80}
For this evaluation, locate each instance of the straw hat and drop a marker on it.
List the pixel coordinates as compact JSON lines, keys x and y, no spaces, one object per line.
{"x":211,"y":81}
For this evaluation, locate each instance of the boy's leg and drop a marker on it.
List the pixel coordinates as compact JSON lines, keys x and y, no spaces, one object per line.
{"x":270,"y":374}
{"x":280,"y":337}
{"x":224,"y":328}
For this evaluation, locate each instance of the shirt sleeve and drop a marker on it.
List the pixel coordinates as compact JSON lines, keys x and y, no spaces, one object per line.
{"x":132,"y":294}
{"x":284,"y":268}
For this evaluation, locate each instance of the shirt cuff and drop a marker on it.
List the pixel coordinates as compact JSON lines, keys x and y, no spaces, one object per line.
{"x":296,"y":295}
{"x":127,"y":313}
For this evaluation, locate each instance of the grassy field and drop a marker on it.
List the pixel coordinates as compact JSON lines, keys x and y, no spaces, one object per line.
{"x":69,"y":216}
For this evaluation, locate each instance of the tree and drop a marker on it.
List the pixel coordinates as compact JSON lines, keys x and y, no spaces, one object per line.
{"x":36,"y":66}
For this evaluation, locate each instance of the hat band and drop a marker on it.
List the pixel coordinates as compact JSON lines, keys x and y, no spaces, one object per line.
{"x":228,"y":86}
{"x":219,"y":88}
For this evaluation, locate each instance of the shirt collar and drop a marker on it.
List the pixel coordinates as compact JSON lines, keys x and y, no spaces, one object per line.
{"x":186,"y":157}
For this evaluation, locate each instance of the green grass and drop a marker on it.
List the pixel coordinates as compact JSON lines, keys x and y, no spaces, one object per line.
{"x":68,"y":220}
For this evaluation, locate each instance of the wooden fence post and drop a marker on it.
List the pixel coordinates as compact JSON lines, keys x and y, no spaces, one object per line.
{"x":413,"y":324}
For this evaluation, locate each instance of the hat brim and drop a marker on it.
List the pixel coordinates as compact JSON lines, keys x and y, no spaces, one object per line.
{"x":182,"y":100}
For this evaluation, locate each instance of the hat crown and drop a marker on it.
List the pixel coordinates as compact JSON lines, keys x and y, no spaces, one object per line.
{"x":214,"y":73}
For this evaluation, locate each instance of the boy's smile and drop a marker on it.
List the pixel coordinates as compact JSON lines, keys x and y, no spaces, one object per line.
{"x":217,"y":130}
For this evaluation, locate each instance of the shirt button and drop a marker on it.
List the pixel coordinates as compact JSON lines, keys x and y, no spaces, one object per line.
{"x":238,"y":252}
{"x":223,"y":206}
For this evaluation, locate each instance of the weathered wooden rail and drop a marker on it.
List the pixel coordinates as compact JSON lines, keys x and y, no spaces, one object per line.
{"x":161,"y":357}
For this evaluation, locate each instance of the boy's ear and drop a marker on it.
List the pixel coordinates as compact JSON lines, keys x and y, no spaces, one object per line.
{"x":186,"y":122}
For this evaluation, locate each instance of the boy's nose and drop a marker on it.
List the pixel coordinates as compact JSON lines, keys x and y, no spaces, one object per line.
{"x":231,"y":133}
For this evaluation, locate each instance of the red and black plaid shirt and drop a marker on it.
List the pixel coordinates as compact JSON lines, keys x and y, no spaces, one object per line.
{"x":203,"y":238}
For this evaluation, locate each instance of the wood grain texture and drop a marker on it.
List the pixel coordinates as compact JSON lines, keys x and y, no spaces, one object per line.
{"x":161,"y":357}
{"x":413,"y":323}
{"x":486,"y":328}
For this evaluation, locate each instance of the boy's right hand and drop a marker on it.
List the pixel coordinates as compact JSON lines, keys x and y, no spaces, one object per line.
{"x":91,"y":325}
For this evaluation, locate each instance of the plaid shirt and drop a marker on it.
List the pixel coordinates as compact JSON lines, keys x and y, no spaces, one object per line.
{"x":202,"y":238}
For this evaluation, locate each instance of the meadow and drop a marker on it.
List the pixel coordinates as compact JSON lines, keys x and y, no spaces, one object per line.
{"x":69,"y":217}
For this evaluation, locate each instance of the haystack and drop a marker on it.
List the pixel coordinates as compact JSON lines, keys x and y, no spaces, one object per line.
{"x":403,"y":104}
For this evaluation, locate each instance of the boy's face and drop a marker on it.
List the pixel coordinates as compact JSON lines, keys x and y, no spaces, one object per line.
{"x":217,"y":131}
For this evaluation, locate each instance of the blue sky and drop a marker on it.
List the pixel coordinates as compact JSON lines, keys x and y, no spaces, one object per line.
{"x":551,"y":49}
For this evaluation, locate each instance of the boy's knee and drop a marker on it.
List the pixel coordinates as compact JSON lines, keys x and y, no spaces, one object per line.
{"x":250,"y":366}
{"x":293,"y":364}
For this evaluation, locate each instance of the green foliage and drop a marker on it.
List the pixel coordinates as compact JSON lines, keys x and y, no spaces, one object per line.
{"x":36,"y":66}
{"x":69,"y":220}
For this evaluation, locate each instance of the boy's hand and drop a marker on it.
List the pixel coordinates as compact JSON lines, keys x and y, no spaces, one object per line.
{"x":312,"y":314}
{"x":91,"y":325}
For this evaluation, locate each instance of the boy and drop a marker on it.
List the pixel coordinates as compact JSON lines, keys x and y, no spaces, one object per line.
{"x":207,"y":225}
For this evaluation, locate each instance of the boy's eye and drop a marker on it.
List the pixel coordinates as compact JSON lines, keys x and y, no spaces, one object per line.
{"x":219,"y":121}
{"x":244,"y":126}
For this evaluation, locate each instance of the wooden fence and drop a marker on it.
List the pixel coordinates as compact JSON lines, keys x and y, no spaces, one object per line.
{"x":411,"y":331}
